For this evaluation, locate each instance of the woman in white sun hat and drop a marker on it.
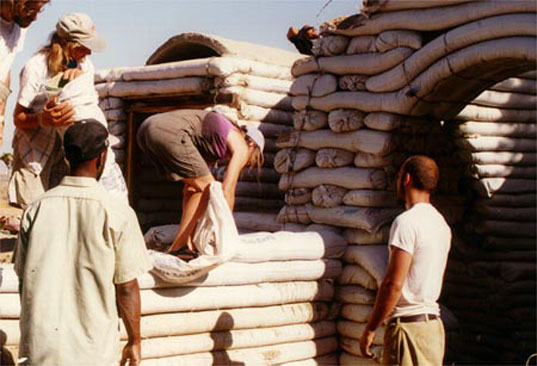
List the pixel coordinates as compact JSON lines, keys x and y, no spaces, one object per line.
{"x":40,"y":116}
{"x":183,"y":144}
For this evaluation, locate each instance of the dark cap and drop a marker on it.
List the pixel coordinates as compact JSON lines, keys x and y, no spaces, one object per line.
{"x":85,"y":140}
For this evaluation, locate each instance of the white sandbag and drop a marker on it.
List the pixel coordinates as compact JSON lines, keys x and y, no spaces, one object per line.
{"x":373,"y":6}
{"x":383,"y":121}
{"x":236,"y":274}
{"x":346,"y":359}
{"x":355,"y":330}
{"x":272,"y":115}
{"x":457,"y":38}
{"x":509,"y":200}
{"x":372,"y":142}
{"x":269,"y":130}
{"x":350,"y":178}
{"x":352,"y":82}
{"x":213,"y":66}
{"x":389,"y":40}
{"x":117,"y":128}
{"x":503,"y":171}
{"x":516,"y":85}
{"x":262,"y":356}
{"x":370,"y":219}
{"x":362,"y":64}
{"x":258,"y":98}
{"x":435,"y":18}
{"x":370,"y":198}
{"x":355,"y":312}
{"x":316,"y":243}
{"x":364,"y":160}
{"x":309,"y":120}
{"x":373,"y":258}
{"x":529,"y":75}
{"x":10,"y":308}
{"x":330,"y":45}
{"x":493,"y":143}
{"x":254,"y":82}
{"x":256,"y":221}
{"x":352,"y":347}
{"x":345,"y":120}
{"x":316,"y":85}
{"x":110,"y":103}
{"x":503,"y":158}
{"x":509,"y":243}
{"x":215,"y":239}
{"x":355,"y":295}
{"x":115,"y":115}
{"x":487,"y":187}
{"x":487,"y":114}
{"x":234,"y":339}
{"x":294,"y":228}
{"x":362,"y":44}
{"x":505,"y":213}
{"x":298,"y":196}
{"x":210,"y":298}
{"x":295,"y":214}
{"x":334,"y":158}
{"x":118,"y":142}
{"x":327,"y":195}
{"x":330,"y":359}
{"x":356,"y":275}
{"x":491,"y":98}
{"x":527,"y":130}
{"x":190,"y":85}
{"x":364,"y":237}
{"x":293,"y":160}
{"x":173,"y":324}
{"x":9,"y":281}
{"x":364,"y":101}
{"x":507,"y":228}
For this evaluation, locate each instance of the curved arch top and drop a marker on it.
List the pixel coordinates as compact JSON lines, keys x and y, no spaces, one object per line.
{"x":188,"y":46}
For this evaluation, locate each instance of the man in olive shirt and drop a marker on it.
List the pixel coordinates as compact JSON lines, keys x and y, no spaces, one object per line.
{"x":79,"y":251}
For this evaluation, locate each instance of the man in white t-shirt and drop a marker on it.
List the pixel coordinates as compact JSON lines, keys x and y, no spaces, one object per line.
{"x":15,"y":17}
{"x":419,"y":242}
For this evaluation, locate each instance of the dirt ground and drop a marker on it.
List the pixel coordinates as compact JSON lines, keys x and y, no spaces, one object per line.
{"x":7,"y":239}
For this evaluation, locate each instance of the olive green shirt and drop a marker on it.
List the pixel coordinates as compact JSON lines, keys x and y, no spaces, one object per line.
{"x":75,"y":243}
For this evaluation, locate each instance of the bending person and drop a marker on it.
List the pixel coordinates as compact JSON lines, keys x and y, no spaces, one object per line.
{"x":184,"y":143}
{"x":38,"y":157}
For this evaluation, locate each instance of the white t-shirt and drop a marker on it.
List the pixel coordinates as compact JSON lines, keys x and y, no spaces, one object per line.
{"x":422,"y":232}
{"x":33,"y":78}
{"x":11,"y":43}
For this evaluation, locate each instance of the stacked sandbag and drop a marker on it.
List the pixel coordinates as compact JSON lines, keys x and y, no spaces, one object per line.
{"x":245,"y":90}
{"x":272,"y":304}
{"x":492,"y":279}
{"x":382,"y":86}
{"x":116,"y":117}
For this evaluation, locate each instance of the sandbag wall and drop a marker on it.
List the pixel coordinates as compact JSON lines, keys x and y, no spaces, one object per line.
{"x":271,"y":305}
{"x":490,"y":282}
{"x":257,"y":94}
{"x":382,"y":86}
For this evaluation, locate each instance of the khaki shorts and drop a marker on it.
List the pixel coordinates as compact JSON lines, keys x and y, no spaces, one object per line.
{"x":413,"y":344}
{"x":171,"y":148}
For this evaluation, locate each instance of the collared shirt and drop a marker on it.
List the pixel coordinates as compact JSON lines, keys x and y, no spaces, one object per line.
{"x":75,"y":243}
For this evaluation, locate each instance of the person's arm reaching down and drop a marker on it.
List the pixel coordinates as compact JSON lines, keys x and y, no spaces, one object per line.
{"x":239,"y":159}
{"x":388,"y":295}
{"x":128,"y":296}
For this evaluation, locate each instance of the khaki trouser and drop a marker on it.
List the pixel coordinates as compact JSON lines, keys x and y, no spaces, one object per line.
{"x":413,"y":344}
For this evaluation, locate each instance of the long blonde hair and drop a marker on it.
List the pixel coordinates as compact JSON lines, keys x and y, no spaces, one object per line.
{"x":256,"y":158}
{"x":58,"y":53}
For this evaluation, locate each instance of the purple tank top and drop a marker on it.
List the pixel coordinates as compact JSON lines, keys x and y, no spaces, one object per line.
{"x":215,"y":129}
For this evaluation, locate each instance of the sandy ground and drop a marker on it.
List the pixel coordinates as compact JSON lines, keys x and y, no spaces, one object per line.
{"x":7,"y":240}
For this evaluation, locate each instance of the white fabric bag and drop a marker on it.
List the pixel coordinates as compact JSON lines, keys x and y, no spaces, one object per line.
{"x":217,"y":222}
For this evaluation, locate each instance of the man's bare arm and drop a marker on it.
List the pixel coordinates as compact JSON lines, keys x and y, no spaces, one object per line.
{"x":128,"y":296}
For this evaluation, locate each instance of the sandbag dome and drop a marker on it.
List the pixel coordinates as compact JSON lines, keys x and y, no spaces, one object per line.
{"x":189,"y":46}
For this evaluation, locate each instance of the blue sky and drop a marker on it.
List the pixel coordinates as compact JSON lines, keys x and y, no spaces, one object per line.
{"x":135,"y":28}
